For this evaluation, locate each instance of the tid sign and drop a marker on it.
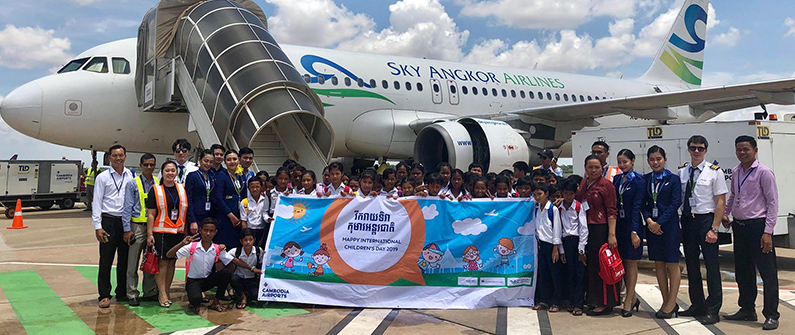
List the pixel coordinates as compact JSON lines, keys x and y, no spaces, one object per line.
{"x":763,"y":132}
{"x":654,"y":132}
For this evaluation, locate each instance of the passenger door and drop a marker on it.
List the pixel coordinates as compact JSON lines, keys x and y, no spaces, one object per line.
{"x":453,"y":91}
{"x":436,"y":91}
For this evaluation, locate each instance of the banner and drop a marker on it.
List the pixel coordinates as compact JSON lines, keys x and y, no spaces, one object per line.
{"x":407,"y":253}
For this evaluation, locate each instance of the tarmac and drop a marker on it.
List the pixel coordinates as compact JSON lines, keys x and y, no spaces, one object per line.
{"x":48,"y":276}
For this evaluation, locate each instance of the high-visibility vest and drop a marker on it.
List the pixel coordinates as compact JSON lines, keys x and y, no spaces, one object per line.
{"x":612,"y":171}
{"x":163,"y":223}
{"x":141,"y":218}
{"x":91,"y":175}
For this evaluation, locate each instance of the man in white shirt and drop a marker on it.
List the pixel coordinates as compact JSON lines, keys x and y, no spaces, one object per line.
{"x":107,"y":209}
{"x":703,"y":202}
{"x":254,"y":211}
{"x":181,"y":149}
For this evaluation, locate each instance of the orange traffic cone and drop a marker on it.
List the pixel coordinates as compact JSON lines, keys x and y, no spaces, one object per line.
{"x":18,"y":217}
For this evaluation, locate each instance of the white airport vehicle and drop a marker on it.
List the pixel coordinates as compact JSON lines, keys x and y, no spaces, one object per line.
{"x":210,"y":72}
{"x":39,"y":183}
{"x":775,"y":140}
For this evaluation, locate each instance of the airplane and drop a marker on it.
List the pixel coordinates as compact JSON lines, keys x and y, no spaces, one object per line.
{"x":381,"y":106}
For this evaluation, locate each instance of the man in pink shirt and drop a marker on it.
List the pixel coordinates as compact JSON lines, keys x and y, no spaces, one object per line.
{"x":753,"y":204}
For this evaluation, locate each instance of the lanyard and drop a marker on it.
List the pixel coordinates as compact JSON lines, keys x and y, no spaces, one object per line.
{"x":207,"y":183}
{"x":235,"y":182}
{"x":169,"y":195}
{"x":742,"y":182}
{"x":119,"y":186}
{"x":622,"y":188}
{"x":654,"y":186}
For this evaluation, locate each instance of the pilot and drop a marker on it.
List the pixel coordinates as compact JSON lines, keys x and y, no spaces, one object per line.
{"x":602,"y":150}
{"x":548,"y":163}
{"x":181,"y":149}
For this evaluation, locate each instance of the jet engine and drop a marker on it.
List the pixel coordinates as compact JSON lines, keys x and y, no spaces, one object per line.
{"x":493,"y":144}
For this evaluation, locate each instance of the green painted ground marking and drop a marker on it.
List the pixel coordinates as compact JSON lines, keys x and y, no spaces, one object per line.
{"x":38,"y":307}
{"x":277,"y":310}
{"x":164,"y":319}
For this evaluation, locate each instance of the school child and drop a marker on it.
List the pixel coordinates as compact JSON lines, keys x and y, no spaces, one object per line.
{"x":554,"y":194}
{"x":445,"y":170}
{"x":433,"y":184}
{"x":378,"y":185}
{"x":548,"y":235}
{"x":574,"y":226}
{"x":491,"y":182}
{"x":366,"y":182}
{"x":539,"y":176}
{"x":245,"y":282}
{"x":336,"y":186}
{"x":389,"y":178}
{"x":309,"y":184}
{"x":417,"y":173}
{"x":355,"y":184}
{"x":524,"y":187}
{"x":296,"y":173}
{"x":280,"y":189}
{"x":269,"y":184}
{"x":480,"y":188}
{"x":456,"y":191}
{"x":502,"y":186}
{"x":407,"y":187}
{"x":254,"y":211}
{"x":326,"y":178}
{"x":202,"y":254}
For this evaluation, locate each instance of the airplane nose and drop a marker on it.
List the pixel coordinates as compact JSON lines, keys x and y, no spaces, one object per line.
{"x":22,"y":109}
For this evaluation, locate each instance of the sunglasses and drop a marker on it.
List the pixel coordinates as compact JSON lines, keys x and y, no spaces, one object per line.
{"x":182,"y":150}
{"x":695,"y":148}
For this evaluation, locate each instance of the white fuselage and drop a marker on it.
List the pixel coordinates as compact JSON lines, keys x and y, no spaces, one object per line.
{"x":91,"y":110}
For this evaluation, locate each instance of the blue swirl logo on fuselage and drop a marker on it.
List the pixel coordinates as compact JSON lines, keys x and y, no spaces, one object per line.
{"x":308,"y":62}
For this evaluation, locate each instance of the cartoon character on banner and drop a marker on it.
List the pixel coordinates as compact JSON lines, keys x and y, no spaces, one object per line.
{"x":505,"y":250}
{"x":471,"y":257}
{"x":430,"y":257}
{"x":290,"y":251}
{"x":321,"y":256}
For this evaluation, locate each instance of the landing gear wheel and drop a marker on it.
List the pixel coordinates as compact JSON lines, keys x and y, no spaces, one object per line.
{"x":67,"y":203}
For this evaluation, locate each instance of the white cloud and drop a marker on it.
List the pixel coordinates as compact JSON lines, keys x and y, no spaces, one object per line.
{"x":728,"y":39}
{"x":430,"y":212}
{"x":316,"y":22}
{"x":527,"y":229}
{"x":469,"y":226}
{"x":28,"y":47}
{"x":283,"y":211}
{"x":790,"y":24}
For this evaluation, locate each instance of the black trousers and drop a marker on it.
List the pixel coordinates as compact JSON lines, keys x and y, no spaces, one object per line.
{"x":247,"y":286}
{"x":107,"y":251}
{"x":195,"y":287}
{"x":550,"y":287}
{"x":597,"y":236}
{"x":575,"y":272}
{"x":748,"y":257}
{"x":694,"y":234}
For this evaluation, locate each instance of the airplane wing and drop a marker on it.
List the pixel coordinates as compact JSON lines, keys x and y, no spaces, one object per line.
{"x":656,"y":106}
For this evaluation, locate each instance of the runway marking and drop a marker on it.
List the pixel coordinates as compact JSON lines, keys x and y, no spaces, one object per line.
{"x":680,"y":325}
{"x":523,"y":320}
{"x":365,"y":322}
{"x":386,"y":322}
{"x":199,"y":331}
{"x":164,"y":320}
{"x":344,"y":322}
{"x":714,"y":329}
{"x":37,"y":307}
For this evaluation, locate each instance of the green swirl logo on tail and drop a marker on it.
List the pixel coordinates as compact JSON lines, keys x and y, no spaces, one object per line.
{"x":674,"y":60}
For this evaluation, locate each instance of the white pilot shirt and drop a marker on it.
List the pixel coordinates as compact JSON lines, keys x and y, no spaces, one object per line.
{"x":709,"y":183}
{"x":201,"y":266}
{"x":188,"y":168}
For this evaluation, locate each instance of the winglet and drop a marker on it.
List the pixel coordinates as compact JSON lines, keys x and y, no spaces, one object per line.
{"x":680,"y":59}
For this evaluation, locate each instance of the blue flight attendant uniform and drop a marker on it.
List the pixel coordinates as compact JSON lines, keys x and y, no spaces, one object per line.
{"x":630,"y":200}
{"x":199,"y":191}
{"x":663,"y":191}
{"x":226,"y":195}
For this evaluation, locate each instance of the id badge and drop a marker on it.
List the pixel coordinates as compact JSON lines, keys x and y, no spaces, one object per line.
{"x":621,"y":213}
{"x":207,"y":206}
{"x":692,"y":202}
{"x":174,"y":214}
{"x":655,"y":212}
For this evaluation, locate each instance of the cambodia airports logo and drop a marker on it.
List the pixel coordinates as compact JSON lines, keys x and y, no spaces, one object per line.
{"x":277,"y":293}
{"x":674,"y":60}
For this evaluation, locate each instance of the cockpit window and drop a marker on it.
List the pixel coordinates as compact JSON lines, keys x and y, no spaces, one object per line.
{"x":97,"y":64}
{"x":120,"y":65}
{"x":73,"y":65}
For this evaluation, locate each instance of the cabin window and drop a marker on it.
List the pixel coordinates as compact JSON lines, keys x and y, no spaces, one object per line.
{"x":573,"y":97}
{"x":540,"y":96}
{"x":464,"y":90}
{"x":120,"y":65}
{"x":504,"y":93}
{"x":494,"y":92}
{"x":97,"y":64}
{"x":513,"y":94}
{"x":589,"y":98}
{"x":486,"y":92}
{"x":73,"y":65}
{"x":347,"y":81}
{"x":397,"y":85}
{"x":408,"y":86}
{"x":321,"y":79}
{"x":474,"y":90}
{"x":565,"y":97}
{"x":557,"y":96}
{"x":435,"y":88}
{"x":419,"y":87}
{"x":582,"y":98}
{"x":360,"y":82}
{"x":549,"y":96}
{"x":384,"y":84}
{"x":307,"y":79}
{"x":372,"y":83}
{"x":334,"y":81}
{"x":531,"y":95}
{"x":453,"y":90}
{"x":521,"y":94}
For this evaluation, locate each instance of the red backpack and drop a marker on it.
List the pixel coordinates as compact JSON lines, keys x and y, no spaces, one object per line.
{"x":611,"y":269}
{"x":193,"y":251}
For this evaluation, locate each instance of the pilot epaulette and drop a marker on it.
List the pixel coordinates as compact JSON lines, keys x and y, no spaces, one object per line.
{"x":684,"y":165}
{"x":714,"y":165}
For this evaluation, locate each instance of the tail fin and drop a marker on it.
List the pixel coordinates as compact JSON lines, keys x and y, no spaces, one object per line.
{"x":680,"y":60}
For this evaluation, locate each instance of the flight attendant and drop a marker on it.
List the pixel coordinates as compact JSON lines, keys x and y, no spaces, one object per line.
{"x":199,"y":186}
{"x":663,"y":196}
{"x":226,"y":194}
{"x":600,"y":196}
{"x":629,"y":226}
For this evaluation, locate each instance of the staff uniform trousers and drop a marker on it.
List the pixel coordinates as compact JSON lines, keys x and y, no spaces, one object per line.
{"x":107,"y":251}
{"x":694,"y":234}
{"x":748,"y":257}
{"x":133,"y":259}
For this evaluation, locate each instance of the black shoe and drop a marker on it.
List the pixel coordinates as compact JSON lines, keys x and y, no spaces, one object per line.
{"x":672,"y":314}
{"x":691,"y":312}
{"x":606,"y":311}
{"x":122,"y":298}
{"x":741,"y":316}
{"x":134,"y":302}
{"x":628,"y":313}
{"x":770,"y":324}
{"x":709,"y":319}
{"x":150,"y":298}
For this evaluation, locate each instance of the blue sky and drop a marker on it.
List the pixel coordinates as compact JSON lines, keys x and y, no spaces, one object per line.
{"x":746,"y":41}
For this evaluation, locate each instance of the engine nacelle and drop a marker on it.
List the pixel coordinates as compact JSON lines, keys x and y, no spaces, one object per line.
{"x":493,"y":144}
